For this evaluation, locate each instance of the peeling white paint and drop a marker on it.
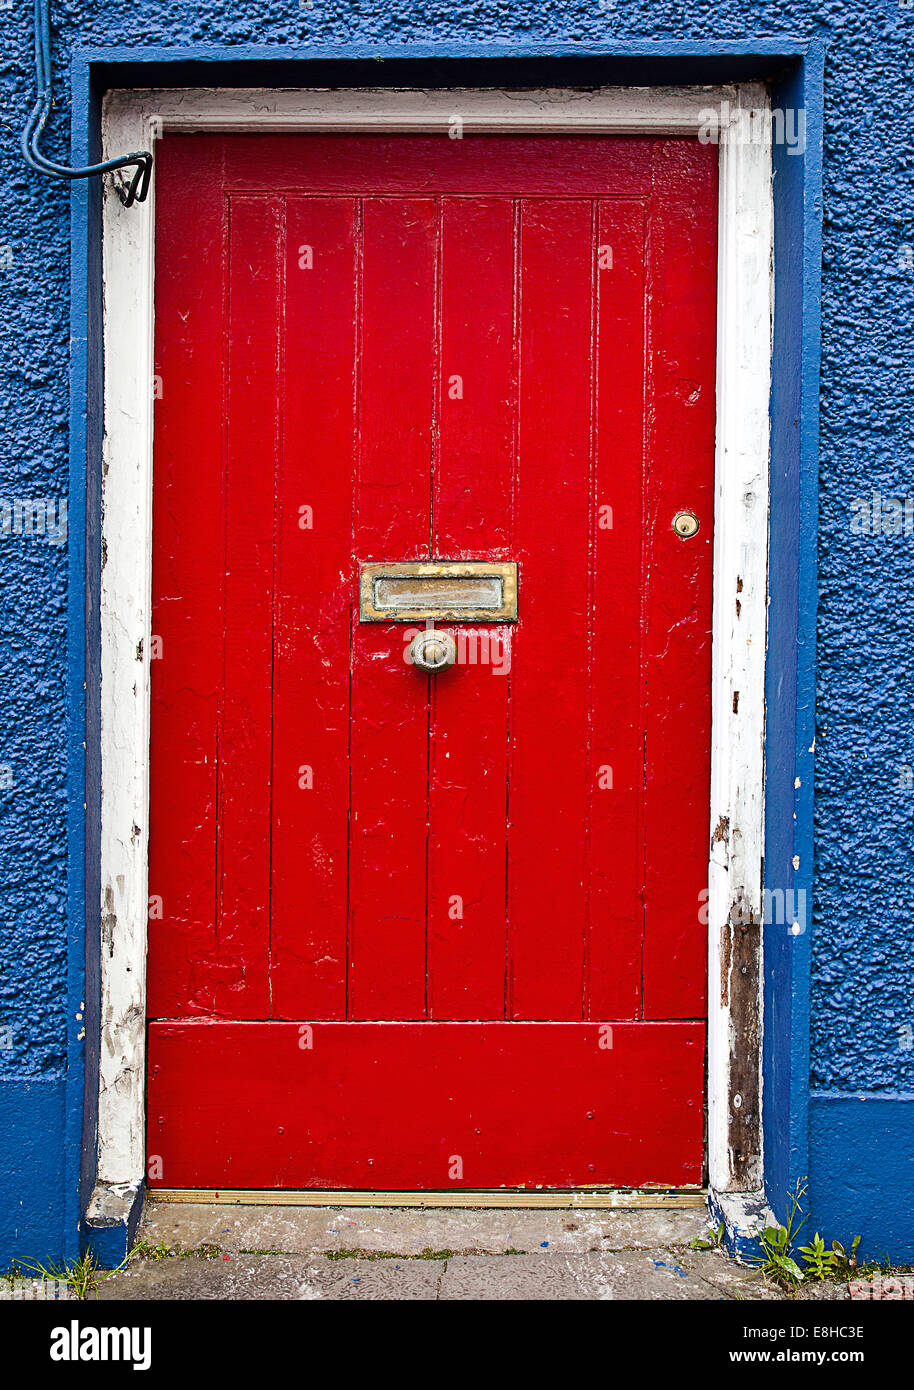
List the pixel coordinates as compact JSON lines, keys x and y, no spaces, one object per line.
{"x":125,"y":613}
{"x":604,"y":110}
{"x":745,"y":309}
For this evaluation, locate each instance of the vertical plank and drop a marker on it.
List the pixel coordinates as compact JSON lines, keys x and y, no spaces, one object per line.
{"x":255,"y":290}
{"x":549,"y":755}
{"x":313,"y":612}
{"x":678,"y":575}
{"x":387,"y":888}
{"x":472,"y":520}
{"x":615,"y":910}
{"x":186,"y":656}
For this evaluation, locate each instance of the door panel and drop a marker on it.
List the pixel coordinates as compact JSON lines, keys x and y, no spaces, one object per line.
{"x":403,"y":918}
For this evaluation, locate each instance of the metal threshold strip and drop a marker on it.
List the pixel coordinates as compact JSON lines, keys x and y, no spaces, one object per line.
{"x":615,"y":1199}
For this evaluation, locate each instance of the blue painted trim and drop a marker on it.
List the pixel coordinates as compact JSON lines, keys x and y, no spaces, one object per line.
{"x":84,"y":641}
{"x":791,"y":667}
{"x":776,"y":46}
{"x":795,"y":65}
{"x":813,"y":94}
{"x":360,"y":62}
{"x":77,"y":1022}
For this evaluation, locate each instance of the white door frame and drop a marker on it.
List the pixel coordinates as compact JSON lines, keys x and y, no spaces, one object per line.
{"x":134,"y":120}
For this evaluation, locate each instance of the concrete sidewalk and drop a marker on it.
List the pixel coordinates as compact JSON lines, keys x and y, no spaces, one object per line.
{"x":229,"y":1253}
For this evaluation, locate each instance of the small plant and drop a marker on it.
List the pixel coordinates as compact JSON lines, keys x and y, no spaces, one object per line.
{"x":844,"y":1264}
{"x":822,"y":1263}
{"x":144,"y":1250}
{"x":778,"y":1242}
{"x":780,"y":1251}
{"x":818,"y":1260}
{"x":207,"y":1251}
{"x":83,"y":1276}
{"x":778,"y":1262}
{"x":344,"y":1253}
{"x":883,"y":1265}
{"x":713,"y":1241}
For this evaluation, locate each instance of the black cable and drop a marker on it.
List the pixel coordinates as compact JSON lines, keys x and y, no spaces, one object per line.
{"x":138,"y":186}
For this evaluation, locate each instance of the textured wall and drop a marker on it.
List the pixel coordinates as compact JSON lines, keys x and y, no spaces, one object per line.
{"x":863,"y":948}
{"x":863,"y":954}
{"x":34,"y":412}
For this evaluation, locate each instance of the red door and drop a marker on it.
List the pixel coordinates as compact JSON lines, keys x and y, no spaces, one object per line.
{"x":409,"y":930}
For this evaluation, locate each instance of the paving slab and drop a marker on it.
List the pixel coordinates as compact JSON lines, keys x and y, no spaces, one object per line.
{"x":263,"y":1277}
{"x":410,"y":1231}
{"x":731,"y":1280}
{"x":643,"y":1275}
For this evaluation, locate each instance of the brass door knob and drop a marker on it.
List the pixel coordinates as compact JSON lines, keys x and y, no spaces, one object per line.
{"x":432,"y":650}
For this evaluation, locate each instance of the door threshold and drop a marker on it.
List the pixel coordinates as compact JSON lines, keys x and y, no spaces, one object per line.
{"x":615,"y":1199}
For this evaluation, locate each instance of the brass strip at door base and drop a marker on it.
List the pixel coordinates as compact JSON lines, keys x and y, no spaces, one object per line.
{"x":609,"y":1199}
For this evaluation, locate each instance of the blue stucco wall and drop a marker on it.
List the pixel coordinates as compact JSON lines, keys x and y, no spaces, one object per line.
{"x":861,"y":946}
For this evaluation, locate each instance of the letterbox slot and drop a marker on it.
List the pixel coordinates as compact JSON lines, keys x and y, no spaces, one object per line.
{"x":421,"y":591}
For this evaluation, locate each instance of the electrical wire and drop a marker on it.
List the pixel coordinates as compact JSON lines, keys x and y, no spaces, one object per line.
{"x":141,"y":160}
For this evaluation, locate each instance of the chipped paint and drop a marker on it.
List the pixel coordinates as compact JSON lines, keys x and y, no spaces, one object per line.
{"x":736,"y":846}
{"x":743,"y":965}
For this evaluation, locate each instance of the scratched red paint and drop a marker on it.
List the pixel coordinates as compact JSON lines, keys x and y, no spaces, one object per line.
{"x":409,"y":348}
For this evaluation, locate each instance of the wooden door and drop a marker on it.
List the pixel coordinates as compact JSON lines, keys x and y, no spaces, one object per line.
{"x":415,"y":931}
